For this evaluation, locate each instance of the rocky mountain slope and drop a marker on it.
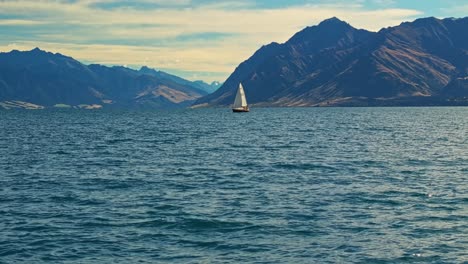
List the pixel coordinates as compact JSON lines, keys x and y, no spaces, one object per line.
{"x":45,"y":79}
{"x":424,"y":62}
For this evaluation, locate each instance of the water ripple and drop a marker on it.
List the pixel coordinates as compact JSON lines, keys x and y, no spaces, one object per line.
{"x":312,"y":185}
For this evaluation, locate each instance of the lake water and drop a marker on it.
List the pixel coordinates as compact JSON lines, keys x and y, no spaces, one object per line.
{"x":298,"y":185}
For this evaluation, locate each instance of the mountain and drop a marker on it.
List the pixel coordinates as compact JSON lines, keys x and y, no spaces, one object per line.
{"x":201,"y":85}
{"x":424,"y":62}
{"x":208,"y":87}
{"x":37,"y":78}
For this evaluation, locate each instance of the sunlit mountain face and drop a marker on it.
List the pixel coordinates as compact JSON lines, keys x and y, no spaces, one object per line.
{"x":424,"y":62}
{"x":37,"y":79}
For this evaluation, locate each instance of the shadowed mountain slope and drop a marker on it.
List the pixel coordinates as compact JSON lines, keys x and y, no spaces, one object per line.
{"x":47,"y":79}
{"x":416,"y":63}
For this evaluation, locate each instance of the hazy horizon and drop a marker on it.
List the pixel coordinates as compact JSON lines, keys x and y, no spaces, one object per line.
{"x":197,"y":40}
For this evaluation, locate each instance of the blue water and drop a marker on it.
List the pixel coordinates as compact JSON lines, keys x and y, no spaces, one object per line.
{"x":305,"y":185}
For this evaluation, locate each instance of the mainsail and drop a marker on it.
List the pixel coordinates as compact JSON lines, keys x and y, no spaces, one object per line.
{"x":240,"y":101}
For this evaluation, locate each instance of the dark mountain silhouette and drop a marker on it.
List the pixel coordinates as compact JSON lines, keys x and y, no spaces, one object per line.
{"x":46,"y":79}
{"x":424,"y":62}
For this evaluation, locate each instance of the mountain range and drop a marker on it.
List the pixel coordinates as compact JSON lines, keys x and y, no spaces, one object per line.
{"x":424,"y":62}
{"x":38,"y":79}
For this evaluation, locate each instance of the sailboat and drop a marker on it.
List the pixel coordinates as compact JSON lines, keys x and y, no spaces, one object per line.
{"x":240,"y":103}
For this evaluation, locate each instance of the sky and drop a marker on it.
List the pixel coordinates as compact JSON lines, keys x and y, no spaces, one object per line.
{"x":195,"y":39}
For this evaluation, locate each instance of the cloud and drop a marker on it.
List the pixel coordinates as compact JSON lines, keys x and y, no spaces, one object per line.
{"x":211,"y":38}
{"x":19,"y":22}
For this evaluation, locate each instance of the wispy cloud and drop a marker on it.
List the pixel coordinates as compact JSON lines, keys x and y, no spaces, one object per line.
{"x":175,"y":35}
{"x":20,"y":22}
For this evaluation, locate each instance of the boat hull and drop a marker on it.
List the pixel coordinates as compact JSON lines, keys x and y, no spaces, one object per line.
{"x":240,"y":110}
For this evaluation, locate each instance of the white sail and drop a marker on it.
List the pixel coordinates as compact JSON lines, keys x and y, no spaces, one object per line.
{"x":240,"y":100}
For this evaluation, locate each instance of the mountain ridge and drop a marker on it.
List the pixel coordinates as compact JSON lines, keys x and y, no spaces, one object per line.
{"x":335,"y":64}
{"x":46,"y":79}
